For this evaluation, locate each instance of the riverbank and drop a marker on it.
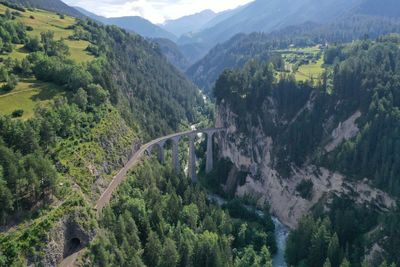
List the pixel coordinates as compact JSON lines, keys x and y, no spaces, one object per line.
{"x":281,"y":232}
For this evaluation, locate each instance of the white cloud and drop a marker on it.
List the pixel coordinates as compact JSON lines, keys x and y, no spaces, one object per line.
{"x":156,"y":11}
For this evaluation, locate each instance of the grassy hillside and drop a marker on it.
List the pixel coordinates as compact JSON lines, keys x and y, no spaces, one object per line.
{"x":56,"y":6}
{"x":29,"y":92}
{"x":304,"y":63}
{"x":42,"y":21}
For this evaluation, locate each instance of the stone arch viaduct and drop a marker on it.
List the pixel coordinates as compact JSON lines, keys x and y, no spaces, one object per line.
{"x":146,"y":149}
{"x":175,"y":138}
{"x":160,"y":143}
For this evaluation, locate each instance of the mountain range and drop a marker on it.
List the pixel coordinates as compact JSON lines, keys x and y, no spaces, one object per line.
{"x":191,"y":23}
{"x":186,"y":40}
{"x":199,"y":33}
{"x":242,"y":48}
{"x":272,"y":15}
{"x":195,"y":35}
{"x":132,"y":23}
{"x":265,"y":16}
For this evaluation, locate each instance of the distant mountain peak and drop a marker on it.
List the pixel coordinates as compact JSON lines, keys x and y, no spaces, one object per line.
{"x":267,"y":16}
{"x":190,"y":23}
{"x":206,"y":12}
{"x":135,"y":24}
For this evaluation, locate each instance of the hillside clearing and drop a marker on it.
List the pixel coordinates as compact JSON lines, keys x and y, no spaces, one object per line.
{"x":305,"y":63}
{"x":28,"y":93}
{"x":310,"y":71}
{"x":43,"y":21}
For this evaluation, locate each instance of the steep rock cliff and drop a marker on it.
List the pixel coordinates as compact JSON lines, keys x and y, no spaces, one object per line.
{"x":255,"y":154}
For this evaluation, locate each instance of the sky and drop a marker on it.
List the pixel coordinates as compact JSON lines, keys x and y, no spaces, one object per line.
{"x":157,"y":11}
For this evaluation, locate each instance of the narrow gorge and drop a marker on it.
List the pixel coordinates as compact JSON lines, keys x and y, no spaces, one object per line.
{"x":254,"y":154}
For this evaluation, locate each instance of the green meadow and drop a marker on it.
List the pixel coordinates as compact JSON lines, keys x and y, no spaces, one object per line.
{"x":30,"y":92}
{"x":304,"y":63}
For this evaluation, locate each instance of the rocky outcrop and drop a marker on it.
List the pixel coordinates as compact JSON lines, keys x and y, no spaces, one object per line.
{"x":91,"y":165}
{"x":93,"y":161}
{"x":254,"y":153}
{"x":69,"y":234}
{"x":344,"y":132}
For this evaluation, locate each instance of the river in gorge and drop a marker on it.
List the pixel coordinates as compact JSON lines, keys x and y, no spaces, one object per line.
{"x":281,"y":233}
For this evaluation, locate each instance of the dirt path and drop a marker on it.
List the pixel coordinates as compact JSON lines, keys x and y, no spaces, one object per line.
{"x":70,"y":260}
{"x":16,"y":93}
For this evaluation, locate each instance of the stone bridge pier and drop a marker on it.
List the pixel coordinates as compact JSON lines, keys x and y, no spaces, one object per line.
{"x":192,"y":157}
{"x":191,"y":135}
{"x":209,"y":153}
{"x":175,"y":153}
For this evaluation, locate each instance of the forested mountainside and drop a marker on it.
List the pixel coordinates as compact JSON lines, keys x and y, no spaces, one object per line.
{"x":76,"y":100}
{"x":388,"y":8}
{"x":173,"y":53}
{"x":52,"y":5}
{"x":236,"y":52}
{"x":146,"y":89}
{"x":272,"y":15}
{"x":266,"y":16}
{"x":328,"y":146}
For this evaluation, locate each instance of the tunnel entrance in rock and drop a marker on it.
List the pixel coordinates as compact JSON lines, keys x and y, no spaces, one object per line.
{"x":74,"y":245}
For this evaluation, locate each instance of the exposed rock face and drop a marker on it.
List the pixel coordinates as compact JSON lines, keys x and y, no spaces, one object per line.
{"x":254,"y":153}
{"x":345,"y":131}
{"x":67,"y":237}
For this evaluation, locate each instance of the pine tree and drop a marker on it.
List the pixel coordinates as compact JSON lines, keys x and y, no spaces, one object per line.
{"x":319,"y":245}
{"x":327,"y":263}
{"x":266,"y":260}
{"x":345,"y":263}
{"x":153,"y":250}
{"x":170,"y":256}
{"x":365,"y":263}
{"x":134,"y":233}
{"x":334,"y":251}
{"x":6,"y":200}
{"x":81,"y":98}
{"x":249,"y":258}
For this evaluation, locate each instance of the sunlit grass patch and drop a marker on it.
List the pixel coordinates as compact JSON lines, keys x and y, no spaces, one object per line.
{"x":43,"y":21}
{"x":312,"y":71}
{"x":28,"y":93}
{"x":78,"y":50}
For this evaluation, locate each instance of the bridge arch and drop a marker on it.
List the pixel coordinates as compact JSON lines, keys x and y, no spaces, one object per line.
{"x":159,"y":144}
{"x":146,"y":149}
